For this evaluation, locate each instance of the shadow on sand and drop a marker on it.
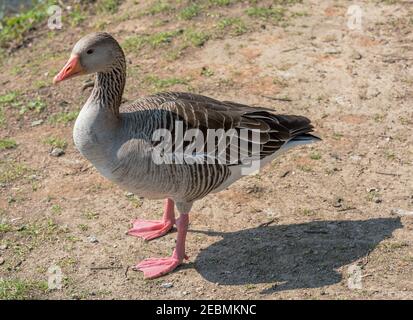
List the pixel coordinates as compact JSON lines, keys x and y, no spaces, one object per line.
{"x":291,"y":256}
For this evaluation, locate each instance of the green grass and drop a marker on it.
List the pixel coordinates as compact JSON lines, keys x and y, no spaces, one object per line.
{"x":2,"y":117}
{"x":83,"y":227}
{"x":206,"y":72}
{"x":56,"y":142}
{"x":37,"y":105}
{"x":56,"y":209}
{"x":109,"y":6}
{"x":275,"y":14}
{"x":9,"y":98}
{"x":315,"y":155}
{"x":195,"y":37}
{"x":7,"y":144}
{"x":77,"y":16}
{"x":90,"y":215}
{"x":11,"y":171}
{"x":154,"y":40}
{"x":161,"y":84}
{"x":13,"y":28}
{"x":63,"y":117}
{"x":158,"y":7}
{"x":220,"y":3}
{"x":190,"y":12}
{"x":17,"y":289}
{"x":236,"y":25}
{"x":5,"y":227}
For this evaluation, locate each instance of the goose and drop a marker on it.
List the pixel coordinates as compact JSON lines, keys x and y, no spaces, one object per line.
{"x":121,"y":141}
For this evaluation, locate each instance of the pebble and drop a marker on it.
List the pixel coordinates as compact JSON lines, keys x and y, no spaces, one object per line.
{"x":57,"y":152}
{"x":1,"y":260}
{"x":36,"y":123}
{"x":92,"y":239}
{"x":356,"y":55}
{"x":377,"y":199}
{"x":3,"y":247}
{"x":167,"y":285}
{"x":401,"y":212}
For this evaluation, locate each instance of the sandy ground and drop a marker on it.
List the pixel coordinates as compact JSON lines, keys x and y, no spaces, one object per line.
{"x":320,"y":222}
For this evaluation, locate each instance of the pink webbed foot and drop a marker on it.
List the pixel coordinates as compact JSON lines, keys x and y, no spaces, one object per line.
{"x":150,"y":229}
{"x":156,"y":267}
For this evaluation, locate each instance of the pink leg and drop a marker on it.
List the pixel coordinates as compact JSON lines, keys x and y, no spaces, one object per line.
{"x":151,"y":229}
{"x":156,"y":267}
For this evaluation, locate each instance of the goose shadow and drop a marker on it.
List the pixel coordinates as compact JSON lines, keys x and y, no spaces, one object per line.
{"x":294,"y":256}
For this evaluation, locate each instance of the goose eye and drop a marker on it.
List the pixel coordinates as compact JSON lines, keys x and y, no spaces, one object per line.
{"x":90,"y":51}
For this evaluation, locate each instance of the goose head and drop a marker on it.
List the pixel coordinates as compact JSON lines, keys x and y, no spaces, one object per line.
{"x":94,"y":53}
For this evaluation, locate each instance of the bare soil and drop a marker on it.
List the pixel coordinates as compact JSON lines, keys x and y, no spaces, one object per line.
{"x":296,"y":230}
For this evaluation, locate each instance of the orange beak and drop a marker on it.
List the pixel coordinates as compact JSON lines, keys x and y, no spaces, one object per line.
{"x":71,"y":69}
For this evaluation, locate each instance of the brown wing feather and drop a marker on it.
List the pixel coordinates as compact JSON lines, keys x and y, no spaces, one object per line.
{"x":197,"y":111}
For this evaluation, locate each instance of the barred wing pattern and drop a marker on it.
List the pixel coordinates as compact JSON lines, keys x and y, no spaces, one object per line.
{"x":162,"y":110}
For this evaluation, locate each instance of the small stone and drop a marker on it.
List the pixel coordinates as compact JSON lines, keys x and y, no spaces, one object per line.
{"x":356,"y":55}
{"x":3,"y":246}
{"x":338,"y":202}
{"x":92,"y":239}
{"x":401,"y":212}
{"x":1,"y":260}
{"x":57,"y":152}
{"x":36,"y":123}
{"x":377,"y":200}
{"x":185,"y":293}
{"x":167,"y":285}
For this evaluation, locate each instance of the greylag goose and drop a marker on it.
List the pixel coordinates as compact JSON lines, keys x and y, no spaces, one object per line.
{"x":120,"y":141}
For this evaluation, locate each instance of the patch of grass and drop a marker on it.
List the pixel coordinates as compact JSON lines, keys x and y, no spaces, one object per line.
{"x":308,"y":212}
{"x":9,"y":98}
{"x":83,"y":227}
{"x":109,"y":6}
{"x":5,"y":227}
{"x":41,"y":229}
{"x":163,"y":37}
{"x":76,"y":16}
{"x":14,"y":27}
{"x":7,"y":144}
{"x":90,"y":215}
{"x":11,"y":171}
{"x":189,"y":12}
{"x":158,"y":7}
{"x":56,"y":209}
{"x":305,"y":168}
{"x":236,"y":25}
{"x":206,"y":72}
{"x":154,"y":40}
{"x":16,"y":289}
{"x":275,"y":14}
{"x":196,"y":38}
{"x":63,"y":117}
{"x":55,"y":142}
{"x":220,"y":3}
{"x":135,"y":201}
{"x":315,"y":155}
{"x":37,"y":105}
{"x":2,"y":117}
{"x":337,"y":136}
{"x":286,"y":2}
{"x":160,"y":84}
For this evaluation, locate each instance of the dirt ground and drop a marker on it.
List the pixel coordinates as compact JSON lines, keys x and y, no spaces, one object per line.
{"x":321,"y":222}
